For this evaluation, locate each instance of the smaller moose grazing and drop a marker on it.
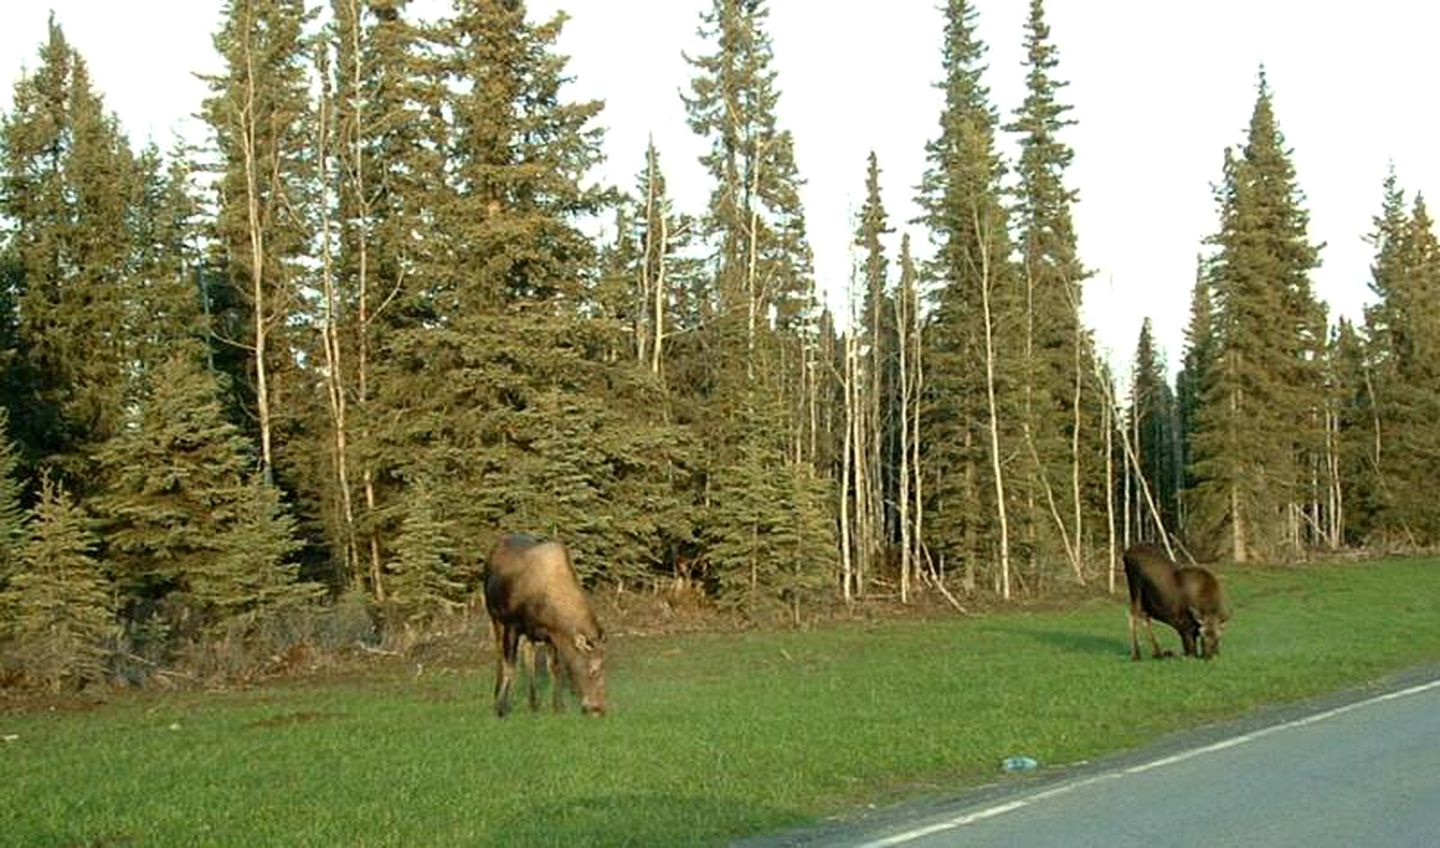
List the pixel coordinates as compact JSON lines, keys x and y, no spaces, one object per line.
{"x":531,"y":591}
{"x":1186,"y":598}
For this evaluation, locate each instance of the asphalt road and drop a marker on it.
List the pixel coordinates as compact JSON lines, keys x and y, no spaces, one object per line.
{"x":1358,"y":771}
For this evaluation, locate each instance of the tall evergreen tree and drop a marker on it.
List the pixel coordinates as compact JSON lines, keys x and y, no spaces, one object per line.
{"x":509,"y":397}
{"x":762,"y":257}
{"x":763,"y":336}
{"x":1407,"y":362}
{"x":967,"y":370}
{"x":69,"y":173}
{"x":1054,"y":362}
{"x":1386,"y":334}
{"x":1259,"y":423}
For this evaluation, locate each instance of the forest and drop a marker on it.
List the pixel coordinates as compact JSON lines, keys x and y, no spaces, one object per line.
{"x":294,"y":381}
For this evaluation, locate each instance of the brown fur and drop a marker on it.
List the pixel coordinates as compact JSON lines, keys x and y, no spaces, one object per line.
{"x":531,"y":591}
{"x":1188,"y":599}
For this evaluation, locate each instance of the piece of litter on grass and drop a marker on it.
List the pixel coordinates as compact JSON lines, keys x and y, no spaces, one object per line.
{"x":1019,"y":764}
{"x":174,"y":726}
{"x":10,"y":737}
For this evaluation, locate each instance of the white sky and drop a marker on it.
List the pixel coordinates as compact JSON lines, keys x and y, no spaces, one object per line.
{"x":1158,"y":88}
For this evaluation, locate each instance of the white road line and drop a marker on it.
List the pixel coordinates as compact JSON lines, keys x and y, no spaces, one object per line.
{"x":1066,"y":788}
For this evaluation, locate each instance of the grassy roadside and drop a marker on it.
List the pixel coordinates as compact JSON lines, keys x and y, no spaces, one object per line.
{"x":712,"y":736}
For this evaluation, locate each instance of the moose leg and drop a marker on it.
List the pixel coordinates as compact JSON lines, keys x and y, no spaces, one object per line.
{"x":509,"y":643}
{"x":557,"y":676}
{"x":532,"y":649}
{"x":1134,"y":637}
{"x":497,"y":630}
{"x":1154,"y":643}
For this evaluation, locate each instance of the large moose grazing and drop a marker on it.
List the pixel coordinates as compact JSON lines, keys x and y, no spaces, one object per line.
{"x":1186,"y":598}
{"x":531,"y":591}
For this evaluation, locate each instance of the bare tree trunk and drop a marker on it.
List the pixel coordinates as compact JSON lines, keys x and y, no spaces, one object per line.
{"x":1237,"y":519}
{"x":260,"y":329}
{"x":918,"y":537}
{"x":1075,"y":451}
{"x":1335,"y":492}
{"x":846,"y":565}
{"x":855,"y":401}
{"x":359,"y":178}
{"x":1107,"y":416}
{"x":641,"y":337}
{"x":994,"y":417}
{"x":752,"y":293}
{"x":659,"y":314}
{"x":903,"y":481}
{"x":874,"y":437}
{"x":1140,"y":478}
{"x":334,"y":363}
{"x":972,"y":496}
{"x":1125,"y":516}
{"x":814,"y":369}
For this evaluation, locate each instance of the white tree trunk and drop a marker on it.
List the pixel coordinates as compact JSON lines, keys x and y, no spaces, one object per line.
{"x":994,"y":417}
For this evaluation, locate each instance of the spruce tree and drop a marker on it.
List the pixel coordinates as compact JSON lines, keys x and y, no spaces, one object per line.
{"x":186,"y":528}
{"x":755,"y":217}
{"x":967,"y":370}
{"x":1408,"y":406}
{"x":253,"y":578}
{"x":1385,"y":319}
{"x":57,"y":615}
{"x":67,"y":199}
{"x":1054,"y":363}
{"x":1387,"y":340}
{"x":509,"y":397}
{"x":423,"y":582}
{"x":1259,"y":421}
{"x":753,"y":398}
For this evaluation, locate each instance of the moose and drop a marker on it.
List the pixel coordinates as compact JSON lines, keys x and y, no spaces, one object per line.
{"x":531,"y":590}
{"x":1187,"y":598}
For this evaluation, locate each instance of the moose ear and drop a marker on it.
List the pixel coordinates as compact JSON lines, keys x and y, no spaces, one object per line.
{"x":583,"y":643}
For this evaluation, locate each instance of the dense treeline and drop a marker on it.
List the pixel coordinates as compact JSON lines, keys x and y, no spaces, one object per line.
{"x":292,"y":383}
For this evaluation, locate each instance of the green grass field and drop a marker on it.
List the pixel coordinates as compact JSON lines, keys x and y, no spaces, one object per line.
{"x":710,"y":736}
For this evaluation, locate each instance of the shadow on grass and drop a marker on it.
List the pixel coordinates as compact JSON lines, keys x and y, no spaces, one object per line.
{"x":1076,"y":643}
{"x":643,"y":819}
